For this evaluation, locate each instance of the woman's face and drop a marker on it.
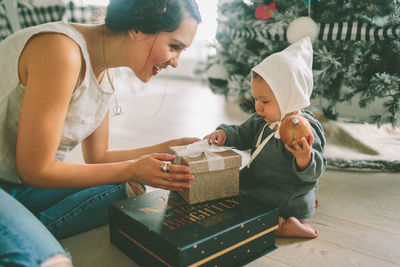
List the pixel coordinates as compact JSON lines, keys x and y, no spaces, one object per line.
{"x":158,"y":51}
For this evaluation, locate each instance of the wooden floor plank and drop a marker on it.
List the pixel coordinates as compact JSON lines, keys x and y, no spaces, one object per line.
{"x":266,"y":261}
{"x":319,"y":253}
{"x":369,"y":199}
{"x":358,"y":238}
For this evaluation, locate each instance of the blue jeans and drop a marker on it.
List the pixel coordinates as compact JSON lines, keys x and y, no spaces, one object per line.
{"x":28,"y":214}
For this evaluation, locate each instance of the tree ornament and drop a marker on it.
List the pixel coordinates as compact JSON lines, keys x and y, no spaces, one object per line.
{"x":293,"y":128}
{"x":265,"y":12}
{"x":300,"y":28}
{"x":312,"y":1}
{"x":217,"y":75}
{"x":371,"y":13}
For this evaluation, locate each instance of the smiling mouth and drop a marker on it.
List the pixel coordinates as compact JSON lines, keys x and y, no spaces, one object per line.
{"x":156,"y":69}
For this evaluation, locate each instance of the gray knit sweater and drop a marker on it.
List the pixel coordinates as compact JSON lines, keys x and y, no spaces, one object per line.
{"x":273,"y":176}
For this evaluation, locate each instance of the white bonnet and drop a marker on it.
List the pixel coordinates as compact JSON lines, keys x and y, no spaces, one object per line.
{"x":289,"y":74}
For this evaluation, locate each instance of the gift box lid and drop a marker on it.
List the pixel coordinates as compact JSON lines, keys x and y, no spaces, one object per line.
{"x":169,"y":228}
{"x":200,"y":164}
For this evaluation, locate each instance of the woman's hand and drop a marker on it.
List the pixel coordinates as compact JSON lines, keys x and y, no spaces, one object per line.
{"x":302,"y":152}
{"x":218,"y":138}
{"x":147,"y":170}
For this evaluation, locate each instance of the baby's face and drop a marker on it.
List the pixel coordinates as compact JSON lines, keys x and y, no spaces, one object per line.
{"x":265,"y":102}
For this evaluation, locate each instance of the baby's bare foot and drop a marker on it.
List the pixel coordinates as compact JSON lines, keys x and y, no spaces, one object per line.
{"x":292,"y":227}
{"x":316,"y":203}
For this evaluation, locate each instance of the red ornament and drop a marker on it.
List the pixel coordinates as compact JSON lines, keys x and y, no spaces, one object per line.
{"x":265,"y":12}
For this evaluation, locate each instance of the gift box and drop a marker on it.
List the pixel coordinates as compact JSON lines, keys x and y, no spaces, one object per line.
{"x":215,"y":170}
{"x":161,"y":229}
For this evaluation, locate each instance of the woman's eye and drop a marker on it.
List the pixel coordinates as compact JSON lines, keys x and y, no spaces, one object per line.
{"x":175,"y":47}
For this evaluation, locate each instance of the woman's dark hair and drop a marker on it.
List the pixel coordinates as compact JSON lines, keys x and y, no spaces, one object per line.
{"x":149,"y":16}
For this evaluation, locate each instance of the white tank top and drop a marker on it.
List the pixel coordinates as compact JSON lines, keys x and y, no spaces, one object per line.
{"x":87,"y":108}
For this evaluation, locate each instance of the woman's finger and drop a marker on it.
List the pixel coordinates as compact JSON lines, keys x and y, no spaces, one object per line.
{"x":171,"y":188}
{"x":173,"y":168}
{"x":184,"y":177}
{"x":170,"y":183}
{"x":164,"y":156}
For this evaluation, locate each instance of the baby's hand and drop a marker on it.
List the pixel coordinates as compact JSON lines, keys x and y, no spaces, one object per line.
{"x":302,"y":151}
{"x":218,"y":138}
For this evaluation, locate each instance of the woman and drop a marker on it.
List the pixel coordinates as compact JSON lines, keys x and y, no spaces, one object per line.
{"x":55,"y":93}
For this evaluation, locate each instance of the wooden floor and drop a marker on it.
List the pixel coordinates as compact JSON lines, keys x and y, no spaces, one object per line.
{"x":359,"y":213}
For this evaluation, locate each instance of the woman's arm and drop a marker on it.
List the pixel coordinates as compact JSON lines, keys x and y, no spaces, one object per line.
{"x":50,"y":65}
{"x":95,"y":146}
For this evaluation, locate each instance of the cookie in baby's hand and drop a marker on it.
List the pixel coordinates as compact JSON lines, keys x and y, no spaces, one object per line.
{"x":293,"y":128}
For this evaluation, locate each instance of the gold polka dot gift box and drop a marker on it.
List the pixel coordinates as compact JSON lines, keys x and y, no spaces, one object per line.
{"x":215,"y":170}
{"x":161,"y":229}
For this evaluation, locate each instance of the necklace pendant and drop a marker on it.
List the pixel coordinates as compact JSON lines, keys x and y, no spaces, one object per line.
{"x":117,"y":110}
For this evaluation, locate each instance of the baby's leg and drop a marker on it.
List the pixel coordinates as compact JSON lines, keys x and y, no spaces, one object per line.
{"x":292,"y":227}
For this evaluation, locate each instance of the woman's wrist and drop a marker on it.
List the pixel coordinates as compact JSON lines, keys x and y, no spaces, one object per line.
{"x":131,"y":170}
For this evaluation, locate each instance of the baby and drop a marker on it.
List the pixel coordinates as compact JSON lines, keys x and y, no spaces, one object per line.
{"x":279,"y":175}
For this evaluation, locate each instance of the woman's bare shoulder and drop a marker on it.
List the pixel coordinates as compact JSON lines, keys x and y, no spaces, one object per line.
{"x":54,"y":44}
{"x":50,"y":51}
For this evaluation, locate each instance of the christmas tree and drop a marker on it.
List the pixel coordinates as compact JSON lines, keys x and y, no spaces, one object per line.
{"x":356,"y":49}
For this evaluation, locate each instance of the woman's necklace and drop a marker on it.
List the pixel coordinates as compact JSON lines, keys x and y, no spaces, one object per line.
{"x":117,"y":109}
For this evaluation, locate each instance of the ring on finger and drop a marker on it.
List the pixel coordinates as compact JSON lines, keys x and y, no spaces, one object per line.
{"x":165,"y":166}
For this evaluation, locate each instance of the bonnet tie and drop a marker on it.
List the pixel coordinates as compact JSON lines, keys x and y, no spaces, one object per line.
{"x":259,"y":146}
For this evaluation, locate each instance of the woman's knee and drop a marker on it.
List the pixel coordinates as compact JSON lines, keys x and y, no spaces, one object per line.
{"x":24,"y":240}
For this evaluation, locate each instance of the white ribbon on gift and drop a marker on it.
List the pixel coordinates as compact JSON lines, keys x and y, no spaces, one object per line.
{"x":215,"y":161}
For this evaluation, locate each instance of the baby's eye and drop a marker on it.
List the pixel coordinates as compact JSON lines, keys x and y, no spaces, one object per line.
{"x":265,"y":102}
